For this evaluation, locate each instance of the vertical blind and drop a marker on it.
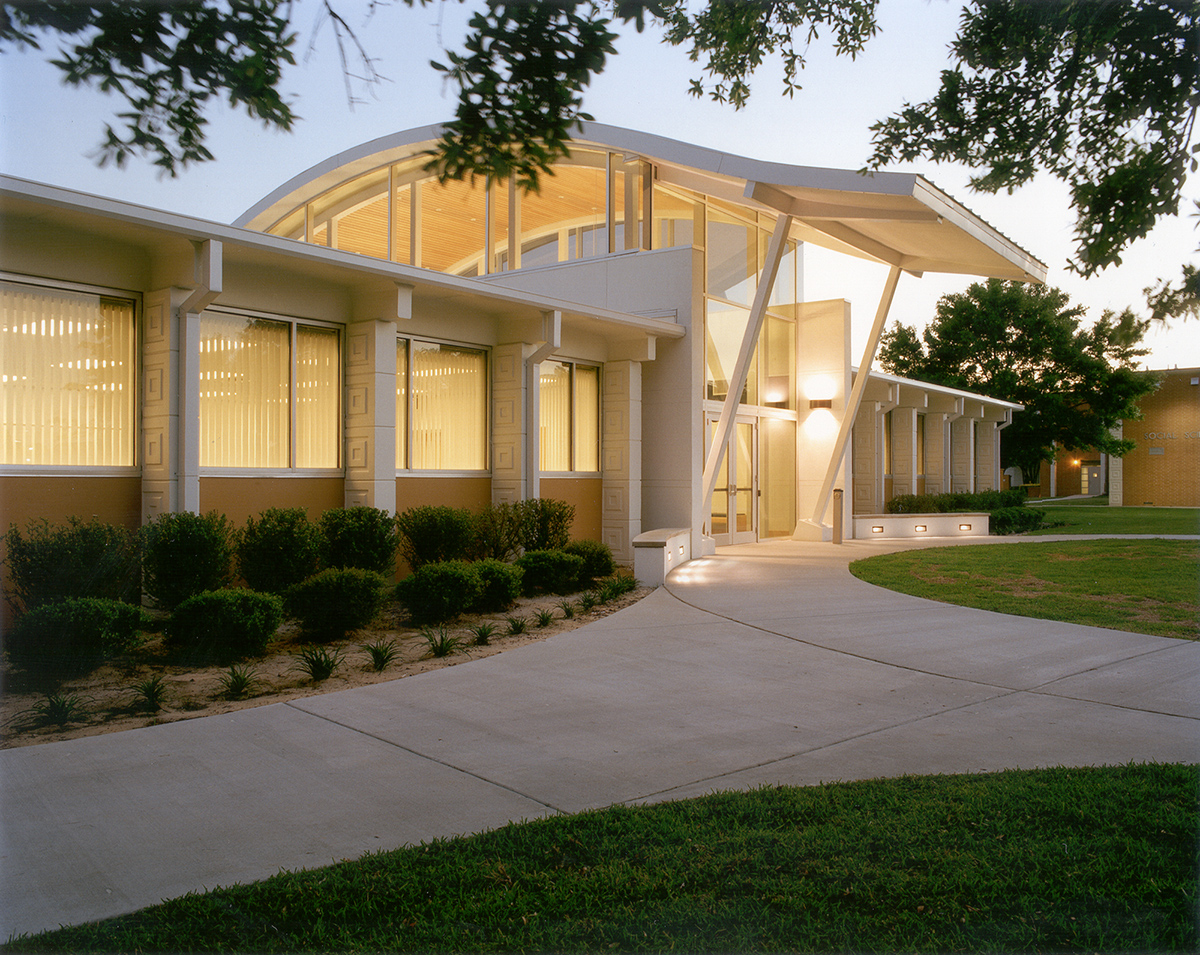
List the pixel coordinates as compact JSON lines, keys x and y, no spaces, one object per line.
{"x":246,"y":394}
{"x":449,"y":407}
{"x":67,"y":377}
{"x":587,"y":418}
{"x":569,"y":417}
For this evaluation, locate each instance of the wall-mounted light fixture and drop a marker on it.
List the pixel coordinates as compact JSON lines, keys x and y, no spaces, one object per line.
{"x":920,"y":528}
{"x":820,"y":403}
{"x":877,"y":529}
{"x":964,"y":527}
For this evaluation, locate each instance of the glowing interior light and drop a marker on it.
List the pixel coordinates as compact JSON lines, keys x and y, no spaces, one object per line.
{"x":964,"y":527}
{"x":877,"y":529}
{"x":920,"y":528}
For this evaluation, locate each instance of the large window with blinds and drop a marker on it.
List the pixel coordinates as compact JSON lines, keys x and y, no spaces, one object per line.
{"x":441,"y":407}
{"x":68,"y":372}
{"x":569,"y":417}
{"x":269,"y":393}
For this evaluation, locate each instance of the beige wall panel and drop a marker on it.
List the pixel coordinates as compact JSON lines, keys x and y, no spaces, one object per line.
{"x":473,"y":493}
{"x":1164,"y":468}
{"x":241,"y":497}
{"x":585,"y":494}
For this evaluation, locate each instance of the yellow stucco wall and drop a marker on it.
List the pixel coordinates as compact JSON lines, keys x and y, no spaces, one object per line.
{"x":584,"y":493}
{"x":238,"y":498}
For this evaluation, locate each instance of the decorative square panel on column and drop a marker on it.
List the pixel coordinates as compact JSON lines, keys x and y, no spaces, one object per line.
{"x":358,"y":454}
{"x":505,"y":455}
{"x":506,"y":412}
{"x":614,"y":500}
{"x":154,"y":448}
{"x":615,"y":422}
{"x":360,"y":347}
{"x":506,"y":368}
{"x":614,"y":459}
{"x":356,"y":401}
{"x":154,"y":384}
{"x":156,"y":325}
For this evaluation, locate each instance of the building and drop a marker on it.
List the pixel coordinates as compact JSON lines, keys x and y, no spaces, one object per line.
{"x":634,"y":339}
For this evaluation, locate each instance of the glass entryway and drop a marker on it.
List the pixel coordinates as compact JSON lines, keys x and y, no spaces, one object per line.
{"x":733,"y":517}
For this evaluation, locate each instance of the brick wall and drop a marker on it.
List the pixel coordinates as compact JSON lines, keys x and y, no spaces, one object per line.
{"x":1164,"y":468}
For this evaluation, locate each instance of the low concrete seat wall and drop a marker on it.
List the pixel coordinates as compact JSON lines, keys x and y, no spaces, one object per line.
{"x":970,"y":524}
{"x":657,"y":553}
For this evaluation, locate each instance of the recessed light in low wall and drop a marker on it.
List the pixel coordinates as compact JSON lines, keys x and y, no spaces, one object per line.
{"x":680,"y":550}
{"x":964,"y":527}
{"x":920,"y":528}
{"x":877,"y":529}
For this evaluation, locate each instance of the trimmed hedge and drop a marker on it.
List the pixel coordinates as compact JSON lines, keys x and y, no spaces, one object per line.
{"x":498,"y":531}
{"x":597,"y":560}
{"x":278,"y":549}
{"x":545,"y":523}
{"x":956,"y":501}
{"x":549,"y":571}
{"x":1015,"y":520}
{"x":186,"y":554}
{"x":73,"y":636}
{"x":432,"y":534}
{"x":53,"y":562}
{"x":224,"y":625}
{"x":500,"y":585}
{"x":441,"y":591}
{"x":362,"y":537}
{"x":336,"y":601}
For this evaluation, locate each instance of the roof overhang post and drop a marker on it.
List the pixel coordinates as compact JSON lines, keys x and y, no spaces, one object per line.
{"x":208,"y":279}
{"x":741,"y":368}
{"x":535,"y":355}
{"x":805,"y":529}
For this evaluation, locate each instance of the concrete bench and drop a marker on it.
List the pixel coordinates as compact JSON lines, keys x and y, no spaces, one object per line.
{"x":867,"y":526}
{"x":657,"y":553}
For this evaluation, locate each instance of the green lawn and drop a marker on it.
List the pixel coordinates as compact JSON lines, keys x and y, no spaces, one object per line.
{"x":1144,"y":586}
{"x":1053,"y":860}
{"x":1083,"y":518}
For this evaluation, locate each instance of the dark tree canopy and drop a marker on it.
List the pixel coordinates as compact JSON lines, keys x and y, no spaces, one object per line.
{"x":1024,"y":343}
{"x":1101,"y":93}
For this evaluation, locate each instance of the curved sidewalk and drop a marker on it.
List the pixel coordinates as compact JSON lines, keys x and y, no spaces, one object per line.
{"x":766,"y":663}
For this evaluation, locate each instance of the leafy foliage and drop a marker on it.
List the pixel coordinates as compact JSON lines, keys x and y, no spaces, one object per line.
{"x":549,"y":571}
{"x":73,"y":636}
{"x":440,"y":591}
{"x":320,"y":663}
{"x":431,"y":534}
{"x":363,"y":537}
{"x":1101,"y":95}
{"x":500,"y":585}
{"x":168,"y":60}
{"x":545,"y":523}
{"x":498,"y":531}
{"x":240,"y":681}
{"x":186,"y":554}
{"x":1025,"y":344}
{"x":440,"y":641}
{"x":382,"y":654}
{"x":224,"y":624}
{"x":597,"y":560}
{"x":955,"y":501}
{"x":77,"y":559}
{"x":336,"y":601}
{"x":277,"y":549}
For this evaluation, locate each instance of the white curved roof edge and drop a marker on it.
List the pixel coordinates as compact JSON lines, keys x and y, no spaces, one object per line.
{"x":614,"y":137}
{"x":197,"y":229}
{"x":940,"y":389}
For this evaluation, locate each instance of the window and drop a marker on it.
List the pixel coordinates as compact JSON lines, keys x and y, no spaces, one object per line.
{"x":441,"y":407}
{"x":269,"y":393}
{"x":67,"y":377}
{"x":569,"y":413}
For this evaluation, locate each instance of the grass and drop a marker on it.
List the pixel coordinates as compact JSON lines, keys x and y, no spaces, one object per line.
{"x":382,"y":654}
{"x":516,"y":625}
{"x":58,"y":709}
{"x":320,"y":663}
{"x":482,"y":633}
{"x":150,"y":694}
{"x":238,"y":682}
{"x":441,"y":642}
{"x":1143,"y":586}
{"x":1085,"y":518}
{"x":1099,"y":859}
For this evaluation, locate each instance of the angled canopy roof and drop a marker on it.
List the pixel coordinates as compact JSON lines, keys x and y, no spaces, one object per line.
{"x":898,"y":219}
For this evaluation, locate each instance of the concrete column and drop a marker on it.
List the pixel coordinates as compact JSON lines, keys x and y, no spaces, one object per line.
{"x":621,"y":457}
{"x":371,"y":414}
{"x":868,"y":476}
{"x":161,"y":402}
{"x":508,"y":423}
{"x":936,"y":428}
{"x":904,"y":451}
{"x":962,"y":456}
{"x":1116,"y":473}
{"x":987,"y":456}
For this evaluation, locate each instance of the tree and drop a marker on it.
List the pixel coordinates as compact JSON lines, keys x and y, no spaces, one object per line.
{"x":1024,"y":343}
{"x":1101,"y":93}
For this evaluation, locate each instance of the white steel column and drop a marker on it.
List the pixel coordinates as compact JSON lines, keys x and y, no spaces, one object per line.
{"x":741,"y":368}
{"x":856,"y":393}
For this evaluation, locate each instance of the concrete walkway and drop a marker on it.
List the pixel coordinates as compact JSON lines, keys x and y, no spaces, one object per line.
{"x":767,"y":663}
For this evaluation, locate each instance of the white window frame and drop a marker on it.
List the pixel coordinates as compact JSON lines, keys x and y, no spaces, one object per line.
{"x":292,"y":321}
{"x":575,"y":472}
{"x":92,"y":470}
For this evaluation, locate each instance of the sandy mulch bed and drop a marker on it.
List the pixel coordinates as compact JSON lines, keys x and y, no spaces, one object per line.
{"x":110,"y":701}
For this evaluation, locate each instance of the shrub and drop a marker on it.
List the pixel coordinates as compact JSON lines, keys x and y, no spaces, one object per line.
{"x":498,"y":531}
{"x":955,"y":501}
{"x":278,"y":549}
{"x":224,"y":624}
{"x":549,"y":571}
{"x":238,"y":682}
{"x":912,"y":504}
{"x":336,"y":601}
{"x":1014,"y":520}
{"x":500,"y":585}
{"x":545,"y":524}
{"x":597,"y":560}
{"x":382,"y":653}
{"x":431,"y":535}
{"x":77,"y":559}
{"x":440,"y":591}
{"x":186,"y":554}
{"x":73,"y":636}
{"x":362,"y":537}
{"x":440,"y":641}
{"x":320,"y":663}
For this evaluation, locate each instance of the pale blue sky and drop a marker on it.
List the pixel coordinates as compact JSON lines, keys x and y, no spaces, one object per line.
{"x":48,"y":131}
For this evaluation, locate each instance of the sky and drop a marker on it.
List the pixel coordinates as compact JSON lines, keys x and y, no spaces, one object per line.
{"x":49,"y":133}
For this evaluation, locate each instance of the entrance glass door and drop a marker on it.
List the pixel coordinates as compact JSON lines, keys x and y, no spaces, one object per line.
{"x":733,"y":517}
